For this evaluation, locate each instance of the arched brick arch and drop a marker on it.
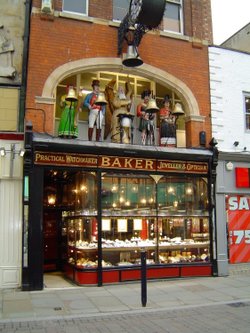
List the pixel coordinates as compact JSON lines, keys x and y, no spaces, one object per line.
{"x":194,"y":120}
{"x":114,"y":64}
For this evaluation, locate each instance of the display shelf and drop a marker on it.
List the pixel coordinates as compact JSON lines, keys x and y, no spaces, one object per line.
{"x":167,"y":241}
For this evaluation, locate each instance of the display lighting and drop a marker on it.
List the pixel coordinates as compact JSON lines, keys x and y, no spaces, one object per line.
{"x":189,"y":191}
{"x":122,"y":200}
{"x":135,"y":188}
{"x":84,"y":188}
{"x":51,"y":199}
{"x":114,"y":188}
{"x":170,"y":189}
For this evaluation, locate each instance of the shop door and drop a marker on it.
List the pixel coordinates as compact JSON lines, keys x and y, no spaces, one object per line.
{"x":51,"y":235}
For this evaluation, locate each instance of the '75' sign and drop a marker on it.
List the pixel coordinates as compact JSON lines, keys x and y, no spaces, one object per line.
{"x":238,"y":236}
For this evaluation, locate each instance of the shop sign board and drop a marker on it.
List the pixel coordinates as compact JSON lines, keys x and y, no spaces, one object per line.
{"x":118,"y":162}
{"x":65,"y":159}
{"x":238,"y":207}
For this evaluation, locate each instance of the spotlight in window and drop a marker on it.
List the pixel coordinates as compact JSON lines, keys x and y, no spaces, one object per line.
{"x":189,"y":190}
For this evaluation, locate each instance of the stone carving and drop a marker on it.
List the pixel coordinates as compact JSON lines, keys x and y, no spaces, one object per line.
{"x":6,"y":50}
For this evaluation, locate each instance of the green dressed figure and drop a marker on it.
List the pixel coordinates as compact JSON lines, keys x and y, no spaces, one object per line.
{"x":68,"y":126}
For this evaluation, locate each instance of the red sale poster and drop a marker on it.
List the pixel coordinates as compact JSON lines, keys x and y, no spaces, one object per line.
{"x":238,"y":208}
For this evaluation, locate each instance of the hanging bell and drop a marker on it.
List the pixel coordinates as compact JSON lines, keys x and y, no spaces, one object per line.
{"x":71,"y":97}
{"x":132,"y":58}
{"x":178,"y":111}
{"x":101,"y":100}
{"x":152,"y":106}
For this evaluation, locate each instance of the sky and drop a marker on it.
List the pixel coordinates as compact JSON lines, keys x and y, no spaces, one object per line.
{"x":228,"y":16}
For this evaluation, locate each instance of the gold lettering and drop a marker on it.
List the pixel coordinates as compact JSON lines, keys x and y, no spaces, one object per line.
{"x":128,"y":163}
{"x":138,"y":164}
{"x":149,"y":164}
{"x":105,"y":161}
{"x":116,"y":162}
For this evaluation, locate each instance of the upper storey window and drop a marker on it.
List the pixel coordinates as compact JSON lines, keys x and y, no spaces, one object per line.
{"x":247,"y":108}
{"x":76,"y":6}
{"x":173,"y":19}
{"x":120,"y":9}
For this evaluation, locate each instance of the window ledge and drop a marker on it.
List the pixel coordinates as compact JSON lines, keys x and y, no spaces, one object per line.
{"x":76,"y":16}
{"x":174,"y":35}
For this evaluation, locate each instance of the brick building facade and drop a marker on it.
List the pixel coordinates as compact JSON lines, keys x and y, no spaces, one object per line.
{"x":63,"y":40}
{"x":158,"y":197}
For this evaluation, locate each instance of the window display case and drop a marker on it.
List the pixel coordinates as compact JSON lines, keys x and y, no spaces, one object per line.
{"x":147,"y":213}
{"x":168,"y":241}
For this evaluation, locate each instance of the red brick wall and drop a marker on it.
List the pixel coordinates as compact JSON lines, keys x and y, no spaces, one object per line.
{"x":53,"y":43}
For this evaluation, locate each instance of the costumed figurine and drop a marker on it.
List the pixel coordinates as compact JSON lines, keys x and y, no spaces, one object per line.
{"x":96,"y":112}
{"x":68,"y":125}
{"x":121,"y":120}
{"x":118,"y":118}
{"x":146,"y":125}
{"x":167,"y":125}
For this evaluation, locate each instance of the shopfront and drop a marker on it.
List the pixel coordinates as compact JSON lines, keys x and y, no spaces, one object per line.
{"x":94,"y":212}
{"x":232,"y":209}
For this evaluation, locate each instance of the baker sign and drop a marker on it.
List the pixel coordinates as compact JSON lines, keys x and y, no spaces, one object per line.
{"x":239,"y":228}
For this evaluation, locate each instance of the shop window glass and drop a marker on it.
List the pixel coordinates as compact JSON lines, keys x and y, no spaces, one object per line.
{"x":76,"y":6}
{"x":79,"y":218}
{"x":172,"y":19}
{"x":128,"y":222}
{"x":178,"y":231}
{"x":120,"y":9}
{"x":81,"y":234}
{"x":247,"y":111}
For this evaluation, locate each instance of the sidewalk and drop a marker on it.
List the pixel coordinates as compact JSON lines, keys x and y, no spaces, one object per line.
{"x":71,"y":302}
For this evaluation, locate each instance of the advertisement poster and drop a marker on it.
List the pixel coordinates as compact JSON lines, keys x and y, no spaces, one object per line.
{"x":238,"y":207}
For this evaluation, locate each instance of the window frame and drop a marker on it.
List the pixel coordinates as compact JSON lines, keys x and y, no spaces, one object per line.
{"x":246,"y":95}
{"x":74,"y":12}
{"x":180,"y":4}
{"x":113,"y":6}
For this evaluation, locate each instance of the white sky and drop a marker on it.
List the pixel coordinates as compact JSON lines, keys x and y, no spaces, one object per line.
{"x":228,"y":16}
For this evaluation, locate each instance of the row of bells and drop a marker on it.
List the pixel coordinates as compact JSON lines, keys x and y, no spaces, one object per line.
{"x":151,"y":107}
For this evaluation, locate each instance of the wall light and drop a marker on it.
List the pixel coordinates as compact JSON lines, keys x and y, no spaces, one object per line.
{"x":236,"y":143}
{"x":2,"y":151}
{"x":21,"y":152}
{"x":12,"y":151}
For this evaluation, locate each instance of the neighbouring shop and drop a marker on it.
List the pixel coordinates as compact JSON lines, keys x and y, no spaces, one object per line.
{"x":238,"y":210}
{"x":232,"y":210}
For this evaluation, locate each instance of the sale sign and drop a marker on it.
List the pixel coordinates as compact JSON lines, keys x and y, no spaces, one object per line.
{"x":238,"y":208}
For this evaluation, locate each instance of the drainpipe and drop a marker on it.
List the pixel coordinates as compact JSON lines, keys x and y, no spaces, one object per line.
{"x":28,"y":5}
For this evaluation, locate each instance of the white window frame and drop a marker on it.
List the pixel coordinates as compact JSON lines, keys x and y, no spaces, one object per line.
{"x":246,"y":111}
{"x":180,"y":3}
{"x":77,"y":13}
{"x":119,"y":20}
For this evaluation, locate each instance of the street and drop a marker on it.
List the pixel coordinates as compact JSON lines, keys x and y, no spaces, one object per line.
{"x":220,"y":318}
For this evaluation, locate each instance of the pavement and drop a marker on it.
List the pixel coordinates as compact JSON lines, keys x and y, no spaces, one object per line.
{"x":70,"y":301}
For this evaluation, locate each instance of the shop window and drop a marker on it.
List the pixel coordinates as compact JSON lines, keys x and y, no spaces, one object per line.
{"x":172,"y":19}
{"x":167,"y":215}
{"x":120,"y":9}
{"x":76,"y":6}
{"x":247,"y":111}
